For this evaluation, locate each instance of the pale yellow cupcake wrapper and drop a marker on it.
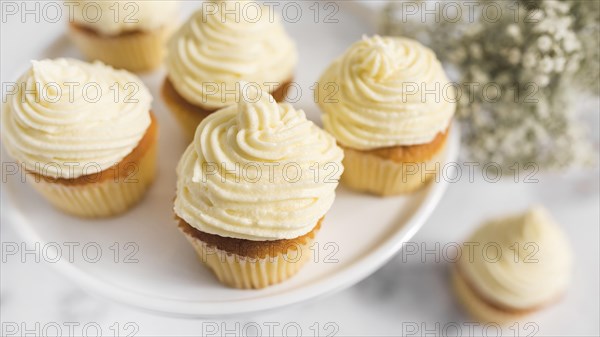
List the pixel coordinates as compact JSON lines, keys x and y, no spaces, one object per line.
{"x":104,"y":198}
{"x":252,"y":273}
{"x":369,"y":173}
{"x":134,"y":52}
{"x":477,"y":307}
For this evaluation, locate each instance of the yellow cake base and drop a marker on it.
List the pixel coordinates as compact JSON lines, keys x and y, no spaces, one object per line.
{"x":139,"y":51}
{"x":254,"y":272}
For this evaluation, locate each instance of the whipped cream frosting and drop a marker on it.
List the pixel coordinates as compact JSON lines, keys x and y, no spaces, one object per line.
{"x":258,"y":171}
{"x":116,"y":17}
{"x":534,"y":274}
{"x":215,"y":49}
{"x":68,"y":118}
{"x":385,"y":91}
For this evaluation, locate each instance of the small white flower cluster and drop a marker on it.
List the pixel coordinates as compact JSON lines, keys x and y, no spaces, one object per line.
{"x":587,"y":26}
{"x":538,"y":57}
{"x":554,"y":48}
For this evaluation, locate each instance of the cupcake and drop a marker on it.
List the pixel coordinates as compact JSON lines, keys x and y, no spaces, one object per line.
{"x":124,"y":34}
{"x":388,"y":103}
{"x":253,"y":189}
{"x":84,"y":134}
{"x":219,"y":46}
{"x":512,"y":267}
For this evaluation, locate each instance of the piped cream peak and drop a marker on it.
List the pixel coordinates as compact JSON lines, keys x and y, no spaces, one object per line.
{"x":261,"y":135}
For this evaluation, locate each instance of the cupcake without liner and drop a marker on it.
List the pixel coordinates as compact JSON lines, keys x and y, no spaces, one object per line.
{"x":130,"y":35}
{"x":88,"y":153}
{"x":506,"y":287}
{"x":215,"y":50}
{"x":253,"y":189}
{"x":374,"y":102}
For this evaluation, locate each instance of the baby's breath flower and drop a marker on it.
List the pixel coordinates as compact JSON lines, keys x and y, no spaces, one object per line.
{"x":559,"y":64}
{"x":529,"y":60}
{"x":540,"y":61}
{"x":542,"y":80}
{"x":479,"y":76}
{"x":571,"y":43}
{"x":514,"y":56}
{"x":544,"y":43}
{"x":546,"y":65}
{"x":458,"y":55}
{"x":476,"y":51}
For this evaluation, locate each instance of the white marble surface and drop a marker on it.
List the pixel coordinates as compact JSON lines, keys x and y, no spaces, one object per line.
{"x":410,"y":292}
{"x":410,"y":289}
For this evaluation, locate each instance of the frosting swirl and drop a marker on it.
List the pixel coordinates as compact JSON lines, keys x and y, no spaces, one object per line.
{"x":258,"y":171}
{"x":69,"y":118}
{"x":215,"y":49}
{"x":116,"y":17}
{"x":385,"y":91}
{"x":531,"y":275}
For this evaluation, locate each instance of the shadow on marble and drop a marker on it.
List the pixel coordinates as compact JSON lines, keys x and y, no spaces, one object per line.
{"x":412,"y":289}
{"x":78,"y":306}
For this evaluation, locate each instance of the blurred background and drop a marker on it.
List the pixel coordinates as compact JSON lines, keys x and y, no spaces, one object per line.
{"x":411,"y":294}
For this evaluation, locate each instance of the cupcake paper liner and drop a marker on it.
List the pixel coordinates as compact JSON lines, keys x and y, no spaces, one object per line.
{"x":245,"y":272}
{"x":102,"y":198}
{"x":370,"y":173}
{"x":140,"y":51}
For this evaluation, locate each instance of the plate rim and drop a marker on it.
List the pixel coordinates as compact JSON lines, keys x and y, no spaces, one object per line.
{"x":349,"y":275}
